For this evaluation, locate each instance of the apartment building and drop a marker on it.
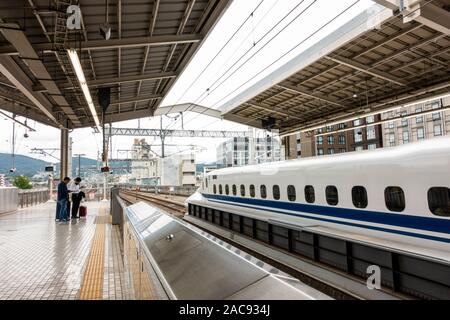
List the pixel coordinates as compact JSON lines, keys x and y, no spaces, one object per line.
{"x":240,"y":151}
{"x":414,"y":124}
{"x":350,"y":136}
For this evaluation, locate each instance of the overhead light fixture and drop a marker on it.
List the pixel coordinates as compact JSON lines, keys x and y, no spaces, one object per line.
{"x":83,"y":83}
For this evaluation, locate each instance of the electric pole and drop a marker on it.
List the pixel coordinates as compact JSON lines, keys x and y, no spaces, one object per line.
{"x":79,"y":155}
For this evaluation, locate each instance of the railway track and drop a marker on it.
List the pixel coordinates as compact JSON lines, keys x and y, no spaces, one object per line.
{"x":178,"y":209}
{"x":172,"y":206}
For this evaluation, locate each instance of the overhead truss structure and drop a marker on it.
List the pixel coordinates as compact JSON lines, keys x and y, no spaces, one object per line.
{"x":151,"y":43}
{"x":175,"y":133}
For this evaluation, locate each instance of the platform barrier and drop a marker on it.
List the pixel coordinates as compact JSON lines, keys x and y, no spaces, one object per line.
{"x":167,"y":258}
{"x":27,"y":198}
{"x":8,"y":199}
{"x":170,"y":190}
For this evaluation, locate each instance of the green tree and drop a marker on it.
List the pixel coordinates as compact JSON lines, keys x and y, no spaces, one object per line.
{"x":22,"y":182}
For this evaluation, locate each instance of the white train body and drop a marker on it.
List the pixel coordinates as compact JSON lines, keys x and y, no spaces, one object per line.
{"x":416,"y":168}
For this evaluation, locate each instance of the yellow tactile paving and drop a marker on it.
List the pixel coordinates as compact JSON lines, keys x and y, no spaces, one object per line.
{"x":92,"y":286}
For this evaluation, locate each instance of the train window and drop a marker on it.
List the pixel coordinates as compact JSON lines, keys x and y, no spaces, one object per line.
{"x":394,"y":198}
{"x":220,"y":189}
{"x":214,"y":189}
{"x":234,"y":190}
{"x":242,"y":190}
{"x":359,"y":197}
{"x":291,"y":193}
{"x":252,"y":191}
{"x":276,"y":192}
{"x":206,"y":182}
{"x":263,"y":192}
{"x":227,"y":189}
{"x":331,"y":193}
{"x":439,"y":201}
{"x":310,"y":195}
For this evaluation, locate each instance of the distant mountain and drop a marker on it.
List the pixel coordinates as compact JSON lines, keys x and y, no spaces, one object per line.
{"x":86,"y":163}
{"x":29,"y":166}
{"x":24,"y":165}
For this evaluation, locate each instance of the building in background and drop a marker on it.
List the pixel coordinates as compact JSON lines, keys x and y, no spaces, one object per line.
{"x":148,"y":169}
{"x":259,"y":147}
{"x":416,"y":127}
{"x":145,"y":168}
{"x":345,"y":137}
{"x":358,"y":135}
{"x":299,"y":145}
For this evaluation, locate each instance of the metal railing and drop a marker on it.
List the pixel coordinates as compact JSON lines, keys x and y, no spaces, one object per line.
{"x":33,"y":197}
{"x":170,"y":190}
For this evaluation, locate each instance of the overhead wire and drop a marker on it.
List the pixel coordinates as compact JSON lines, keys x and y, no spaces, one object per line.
{"x":219,"y":52}
{"x":254,"y":54}
{"x":380,"y":30}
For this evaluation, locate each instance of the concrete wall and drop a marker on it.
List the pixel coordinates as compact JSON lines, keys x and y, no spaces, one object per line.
{"x":9,"y":199}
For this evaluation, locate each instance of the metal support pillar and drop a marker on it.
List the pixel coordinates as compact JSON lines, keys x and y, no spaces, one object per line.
{"x":162,"y":136}
{"x":64,"y":150}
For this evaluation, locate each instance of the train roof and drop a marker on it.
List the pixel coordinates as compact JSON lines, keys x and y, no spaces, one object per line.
{"x":430,"y":147}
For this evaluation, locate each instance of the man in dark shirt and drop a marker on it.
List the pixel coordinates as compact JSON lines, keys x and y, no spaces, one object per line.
{"x":63,"y":197}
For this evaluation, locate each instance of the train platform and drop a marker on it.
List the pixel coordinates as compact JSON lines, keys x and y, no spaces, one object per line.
{"x":43,"y":259}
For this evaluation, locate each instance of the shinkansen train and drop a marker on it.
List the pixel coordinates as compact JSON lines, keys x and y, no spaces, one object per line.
{"x":395,"y":197}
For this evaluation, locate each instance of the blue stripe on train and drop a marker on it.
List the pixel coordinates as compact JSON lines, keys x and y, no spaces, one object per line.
{"x":399,"y":220}
{"x":405,"y":233}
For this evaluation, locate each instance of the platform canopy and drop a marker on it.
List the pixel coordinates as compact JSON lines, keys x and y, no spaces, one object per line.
{"x":380,"y":59}
{"x":151,"y":43}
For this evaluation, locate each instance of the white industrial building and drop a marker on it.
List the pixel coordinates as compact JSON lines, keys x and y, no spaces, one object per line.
{"x":260,"y":146}
{"x":148,"y":169}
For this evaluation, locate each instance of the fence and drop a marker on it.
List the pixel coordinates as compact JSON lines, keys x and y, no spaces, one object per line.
{"x":172,"y":190}
{"x":32,"y":197}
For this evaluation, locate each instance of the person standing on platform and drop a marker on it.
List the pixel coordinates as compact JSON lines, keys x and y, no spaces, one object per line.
{"x":74,"y":188}
{"x":63,"y":197}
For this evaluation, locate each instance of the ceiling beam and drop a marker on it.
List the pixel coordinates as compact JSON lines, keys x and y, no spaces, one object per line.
{"x":29,"y":113}
{"x":390,"y":4}
{"x":310,"y":94}
{"x":209,"y":18}
{"x":113,"y":43}
{"x":367,"y":69}
{"x":17,"y":77}
{"x":187,"y":107}
{"x":137,"y":99}
{"x":243,"y":120}
{"x":129,"y":115}
{"x":138,"y":42}
{"x":19,"y":40}
{"x":430,"y":15}
{"x":110,"y":81}
{"x":151,"y":28}
{"x":273,"y":110}
{"x":119,"y":50}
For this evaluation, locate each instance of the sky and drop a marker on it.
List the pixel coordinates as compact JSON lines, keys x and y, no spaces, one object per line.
{"x":249,"y":38}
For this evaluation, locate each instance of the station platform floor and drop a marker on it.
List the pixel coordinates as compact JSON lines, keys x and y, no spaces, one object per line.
{"x":42,"y":259}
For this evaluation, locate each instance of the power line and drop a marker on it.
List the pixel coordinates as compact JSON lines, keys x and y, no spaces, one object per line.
{"x":219,"y":52}
{"x":253,"y":55}
{"x":347,"y":49}
{"x":290,"y":50}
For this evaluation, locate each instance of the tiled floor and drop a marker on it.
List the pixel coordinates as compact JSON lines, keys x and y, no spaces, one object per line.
{"x":44,"y":259}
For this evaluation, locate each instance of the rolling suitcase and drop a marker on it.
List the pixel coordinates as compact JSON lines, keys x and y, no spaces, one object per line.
{"x":83,"y":211}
